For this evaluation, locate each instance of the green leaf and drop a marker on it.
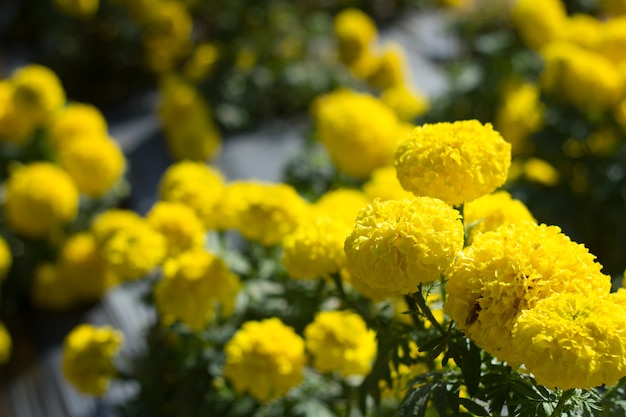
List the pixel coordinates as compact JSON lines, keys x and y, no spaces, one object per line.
{"x":471,"y":368}
{"x":473,"y":407}
{"x":440,"y":398}
{"x":415,"y":402}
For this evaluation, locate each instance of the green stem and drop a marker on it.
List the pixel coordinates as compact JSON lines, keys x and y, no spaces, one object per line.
{"x":344,"y":296}
{"x":560,"y":406}
{"x":423,"y":306}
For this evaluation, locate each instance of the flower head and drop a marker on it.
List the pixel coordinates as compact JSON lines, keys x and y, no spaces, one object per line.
{"x":359,"y":131}
{"x":341,"y":342}
{"x":384,"y":184}
{"x":179,"y":224}
{"x":342,"y":204}
{"x":573,"y":340}
{"x":355,"y":32}
{"x":41,"y":198}
{"x":81,"y":9}
{"x":195,"y":285}
{"x":6,"y":258}
{"x":38,"y":92}
{"x":74,"y":121}
{"x":407,"y":103}
{"x":455,"y":162}
{"x":88,"y":354}
{"x":507,"y":271}
{"x":265,"y":359}
{"x":398,"y":244}
{"x":5,"y":344}
{"x":539,"y":23}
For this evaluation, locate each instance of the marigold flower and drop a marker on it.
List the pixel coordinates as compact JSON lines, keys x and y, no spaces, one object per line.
{"x":540,"y":171}
{"x":15,"y":127}
{"x":88,"y":354}
{"x":613,"y":7}
{"x":6,"y":344}
{"x":391,"y":68}
{"x":195,"y":285}
{"x":507,"y":271}
{"x":406,"y":102}
{"x":195,"y":184}
{"x":76,"y":120}
{"x":38,"y":92}
{"x":384,"y":184}
{"x":573,"y":340}
{"x":41,"y":198}
{"x":130,"y":246}
{"x":455,"y":162}
{"x":202,"y":62}
{"x":580,"y":77}
{"x":6,"y":258}
{"x":584,"y":29}
{"x":491,"y":211}
{"x":398,"y":244}
{"x":96,"y":164}
{"x":612,"y":40}
{"x":262,"y":212}
{"x":355,"y":32}
{"x":341,"y":204}
{"x":539,"y":23}
{"x":81,"y":9}
{"x":48,"y":290}
{"x":340,"y":341}
{"x":359,"y":131}
{"x":179,"y":224}
{"x":265,"y":359}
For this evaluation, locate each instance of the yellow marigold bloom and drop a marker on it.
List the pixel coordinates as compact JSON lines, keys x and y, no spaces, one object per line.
{"x":15,"y":127}
{"x":88,"y":354}
{"x":187,"y":121}
{"x":455,"y":162}
{"x":179,"y":224}
{"x":355,"y":32}
{"x":38,"y":92}
{"x":391,"y":69}
{"x":195,"y":285}
{"x":340,"y":341}
{"x":573,"y":340}
{"x":6,"y":258}
{"x":359,"y":131}
{"x":613,"y":7}
{"x":342,"y":204}
{"x":505,"y":272}
{"x":603,"y":143}
{"x":48,"y":290}
{"x":520,"y":115}
{"x":82,"y":9}
{"x":491,"y":211}
{"x":583,"y":29}
{"x":40,"y":199}
{"x":130,"y":246}
{"x":265,"y":359}
{"x":580,"y":77}
{"x":384,"y":184}
{"x":203,"y":61}
{"x":398,"y":244}
{"x":96,"y":164}
{"x":5,"y":344}
{"x":262,"y":212}
{"x":613,"y":40}
{"x":76,"y":120}
{"x":195,"y":184}
{"x":539,"y":23}
{"x":315,"y":248}
{"x":538,"y":170}
{"x":406,"y":102}
{"x":82,"y":270}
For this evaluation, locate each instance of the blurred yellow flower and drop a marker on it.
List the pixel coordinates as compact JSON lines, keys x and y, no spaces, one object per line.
{"x":265,"y":359}
{"x":455,"y":162}
{"x":355,"y":32}
{"x":88,"y":354}
{"x":398,"y":244}
{"x":179,"y":224}
{"x":6,"y":258}
{"x":340,"y":341}
{"x":384,"y":184}
{"x":76,"y":120}
{"x":390,"y":69}
{"x":41,"y":198}
{"x":15,"y":127}
{"x":6,"y":345}
{"x":38,"y":92}
{"x":202,"y":62}
{"x":342,"y":204}
{"x":539,"y":22}
{"x":48,"y":290}
{"x":406,"y":102}
{"x":613,"y":7}
{"x":82,"y":9}
{"x":538,"y":170}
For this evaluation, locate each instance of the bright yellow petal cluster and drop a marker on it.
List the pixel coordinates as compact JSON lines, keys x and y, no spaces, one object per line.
{"x":343,"y":204}
{"x":81,"y":9}
{"x":38,"y":92}
{"x":15,"y":127}
{"x":6,"y":345}
{"x":584,"y":30}
{"x":491,"y":211}
{"x":455,"y":162}
{"x":195,"y":184}
{"x":612,"y":40}
{"x":179,"y":224}
{"x":96,"y":164}
{"x":195,"y":286}
{"x":359,"y":131}
{"x":263,"y":212}
{"x":507,"y":271}
{"x":520,"y":115}
{"x":88,"y":354}
{"x":6,"y":258}
{"x":539,"y":22}
{"x":130,"y":246}
{"x":41,"y":198}
{"x":187,"y":122}
{"x":573,"y":340}
{"x":406,"y":102}
{"x":398,"y":244}
{"x":74,"y":121}
{"x":340,"y":341}
{"x":265,"y":359}
{"x":540,"y":171}
{"x":580,"y":77}
{"x":384,"y":184}
{"x":355,"y":32}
